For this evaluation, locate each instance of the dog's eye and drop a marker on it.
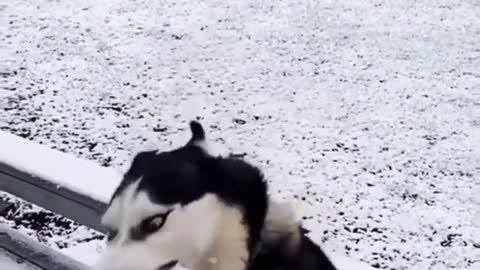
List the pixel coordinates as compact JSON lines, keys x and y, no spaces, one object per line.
{"x":154,"y":223}
{"x":111,"y":233}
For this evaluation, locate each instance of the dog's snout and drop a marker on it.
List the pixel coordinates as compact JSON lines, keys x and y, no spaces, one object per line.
{"x":167,"y":266}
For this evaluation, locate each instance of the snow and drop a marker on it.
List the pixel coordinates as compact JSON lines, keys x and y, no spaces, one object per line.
{"x":345,"y":263}
{"x":56,"y":232}
{"x":365,"y":114}
{"x":63,"y":169}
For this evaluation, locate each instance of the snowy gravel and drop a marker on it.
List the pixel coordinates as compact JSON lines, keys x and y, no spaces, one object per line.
{"x":59,"y":233}
{"x":364,"y":113}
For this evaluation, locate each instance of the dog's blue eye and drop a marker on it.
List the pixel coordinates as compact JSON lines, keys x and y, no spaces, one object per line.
{"x":154,"y":223}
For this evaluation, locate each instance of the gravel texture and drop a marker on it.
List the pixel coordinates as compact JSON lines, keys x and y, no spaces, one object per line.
{"x":366,"y":114}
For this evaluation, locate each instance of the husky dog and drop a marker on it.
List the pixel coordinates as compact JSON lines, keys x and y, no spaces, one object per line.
{"x":204,"y":212}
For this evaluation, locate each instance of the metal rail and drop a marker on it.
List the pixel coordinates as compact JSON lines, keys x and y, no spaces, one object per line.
{"x":41,"y":192}
{"x":22,"y":248}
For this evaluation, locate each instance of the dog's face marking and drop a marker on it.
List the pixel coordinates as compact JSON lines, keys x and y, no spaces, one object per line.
{"x":133,"y":216}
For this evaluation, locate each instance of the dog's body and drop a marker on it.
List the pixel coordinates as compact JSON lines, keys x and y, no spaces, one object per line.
{"x":285,"y":245}
{"x":204,"y":212}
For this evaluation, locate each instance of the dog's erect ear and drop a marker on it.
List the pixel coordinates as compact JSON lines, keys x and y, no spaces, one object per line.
{"x":199,"y":140}
{"x":198,"y":133}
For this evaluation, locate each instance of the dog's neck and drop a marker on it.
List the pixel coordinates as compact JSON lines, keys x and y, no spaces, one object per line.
{"x":228,"y":250}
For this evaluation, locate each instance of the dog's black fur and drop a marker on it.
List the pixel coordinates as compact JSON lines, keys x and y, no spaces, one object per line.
{"x":187,"y":173}
{"x":280,"y":255}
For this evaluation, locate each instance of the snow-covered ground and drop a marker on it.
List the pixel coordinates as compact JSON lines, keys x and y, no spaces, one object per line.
{"x":366,"y":114}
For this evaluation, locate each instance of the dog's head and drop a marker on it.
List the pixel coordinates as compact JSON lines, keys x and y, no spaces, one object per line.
{"x":162,"y":213}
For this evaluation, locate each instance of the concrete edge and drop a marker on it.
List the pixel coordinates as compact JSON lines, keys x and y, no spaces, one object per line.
{"x":43,"y":193}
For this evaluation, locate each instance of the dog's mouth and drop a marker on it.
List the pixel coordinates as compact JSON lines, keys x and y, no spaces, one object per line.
{"x":167,"y":266}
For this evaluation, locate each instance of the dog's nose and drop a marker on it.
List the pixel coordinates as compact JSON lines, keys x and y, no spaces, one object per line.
{"x":169,"y":265}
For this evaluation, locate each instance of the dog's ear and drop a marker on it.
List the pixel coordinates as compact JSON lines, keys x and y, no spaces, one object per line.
{"x":198,"y":133}
{"x":199,"y":140}
{"x":140,"y":164}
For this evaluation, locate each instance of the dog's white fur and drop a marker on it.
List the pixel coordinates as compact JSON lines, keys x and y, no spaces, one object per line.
{"x":281,"y":224}
{"x":203,"y":235}
{"x":212,"y":148}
